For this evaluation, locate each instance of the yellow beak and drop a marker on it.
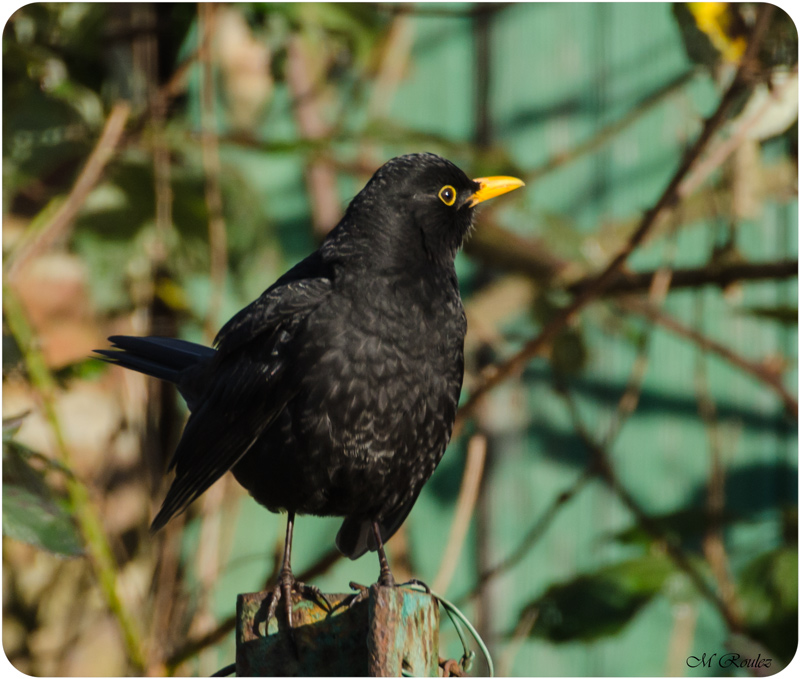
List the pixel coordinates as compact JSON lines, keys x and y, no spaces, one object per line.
{"x":493,"y":186}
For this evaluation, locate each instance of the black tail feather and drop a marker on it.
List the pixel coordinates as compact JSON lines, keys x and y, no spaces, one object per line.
{"x":162,"y":357}
{"x":355,"y":537}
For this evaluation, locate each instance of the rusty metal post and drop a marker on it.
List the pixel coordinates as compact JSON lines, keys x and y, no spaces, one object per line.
{"x":395,"y":629}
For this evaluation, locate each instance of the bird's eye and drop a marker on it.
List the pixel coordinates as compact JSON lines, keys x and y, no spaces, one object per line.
{"x":447,"y":195}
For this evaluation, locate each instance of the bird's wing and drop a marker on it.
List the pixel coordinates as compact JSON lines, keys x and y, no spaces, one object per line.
{"x":298,"y":290}
{"x":249,"y":383}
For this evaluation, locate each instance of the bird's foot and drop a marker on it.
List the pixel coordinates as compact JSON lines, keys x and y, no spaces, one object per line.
{"x":286,"y":585}
{"x":362,"y":594}
{"x":386,"y":579}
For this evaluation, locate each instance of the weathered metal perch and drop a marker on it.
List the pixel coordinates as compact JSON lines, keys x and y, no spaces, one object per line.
{"x":395,"y":629}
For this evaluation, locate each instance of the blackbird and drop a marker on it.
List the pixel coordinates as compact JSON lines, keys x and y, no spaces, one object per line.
{"x":335,"y":392}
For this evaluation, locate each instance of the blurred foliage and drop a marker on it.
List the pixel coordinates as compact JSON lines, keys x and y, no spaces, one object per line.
{"x":601,"y":603}
{"x":32,"y":511}
{"x":716,"y":32}
{"x":390,"y":79}
{"x":768,"y":592}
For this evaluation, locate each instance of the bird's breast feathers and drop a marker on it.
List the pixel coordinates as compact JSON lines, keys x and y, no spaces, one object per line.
{"x":388,"y":376}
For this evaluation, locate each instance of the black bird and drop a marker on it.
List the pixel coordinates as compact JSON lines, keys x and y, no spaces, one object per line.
{"x":335,"y":392}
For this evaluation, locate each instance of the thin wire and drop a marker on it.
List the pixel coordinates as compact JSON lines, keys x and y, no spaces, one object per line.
{"x":459,"y":618}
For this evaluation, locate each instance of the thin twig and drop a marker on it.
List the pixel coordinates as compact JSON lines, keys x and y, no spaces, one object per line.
{"x":681,"y":638}
{"x":669,"y":197}
{"x":217,"y":233}
{"x":86,"y":514}
{"x":511,"y":252}
{"x":611,"y":130}
{"x":758,"y":370}
{"x":174,"y":87}
{"x":530,"y":539}
{"x":394,"y":61}
{"x":659,"y":288}
{"x":58,"y":225}
{"x":430,"y":10}
{"x":194,"y":646}
{"x":162,"y":173}
{"x":694,"y":277}
{"x":723,"y":150}
{"x":713,"y":545}
{"x":159,"y":405}
{"x":521,"y":632}
{"x":320,"y":172}
{"x":166,"y":594}
{"x":465,"y":507}
{"x":603,"y":469}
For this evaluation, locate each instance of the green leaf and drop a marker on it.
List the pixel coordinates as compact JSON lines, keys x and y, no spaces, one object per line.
{"x":87,"y":370}
{"x":599,"y":604}
{"x":569,"y":352}
{"x":31,"y":511}
{"x":686,"y":524}
{"x":33,"y":519}
{"x":11,"y":426}
{"x":768,"y":592}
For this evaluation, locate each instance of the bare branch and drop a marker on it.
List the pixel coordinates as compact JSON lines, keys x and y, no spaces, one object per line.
{"x":320,"y":173}
{"x":217,"y":233}
{"x":608,"y":132}
{"x":695,"y":277}
{"x":59,"y":224}
{"x":629,"y":401}
{"x":713,"y":542}
{"x":511,"y":252}
{"x":758,"y":370}
{"x":194,"y":646}
{"x":465,"y":506}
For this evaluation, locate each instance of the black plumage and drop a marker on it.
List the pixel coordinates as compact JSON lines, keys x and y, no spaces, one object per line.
{"x":335,"y":392}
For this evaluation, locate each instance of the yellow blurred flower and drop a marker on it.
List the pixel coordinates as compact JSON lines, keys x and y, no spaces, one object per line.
{"x":715,"y":20}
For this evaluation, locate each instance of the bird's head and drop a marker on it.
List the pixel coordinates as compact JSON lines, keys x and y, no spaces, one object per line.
{"x":421,"y":203}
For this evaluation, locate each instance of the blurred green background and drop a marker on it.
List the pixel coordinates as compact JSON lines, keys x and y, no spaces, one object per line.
{"x":637,"y":504}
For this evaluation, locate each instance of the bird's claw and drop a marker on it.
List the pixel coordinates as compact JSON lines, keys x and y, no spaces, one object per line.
{"x":362,"y":594}
{"x":312,"y":591}
{"x":286,"y":585}
{"x":362,"y":591}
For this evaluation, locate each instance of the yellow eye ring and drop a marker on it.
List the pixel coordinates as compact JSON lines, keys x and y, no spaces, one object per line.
{"x":447,"y":194}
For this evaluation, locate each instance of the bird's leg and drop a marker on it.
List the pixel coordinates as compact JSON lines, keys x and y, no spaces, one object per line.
{"x":386,"y":578}
{"x":283,"y":588}
{"x":287,"y":583}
